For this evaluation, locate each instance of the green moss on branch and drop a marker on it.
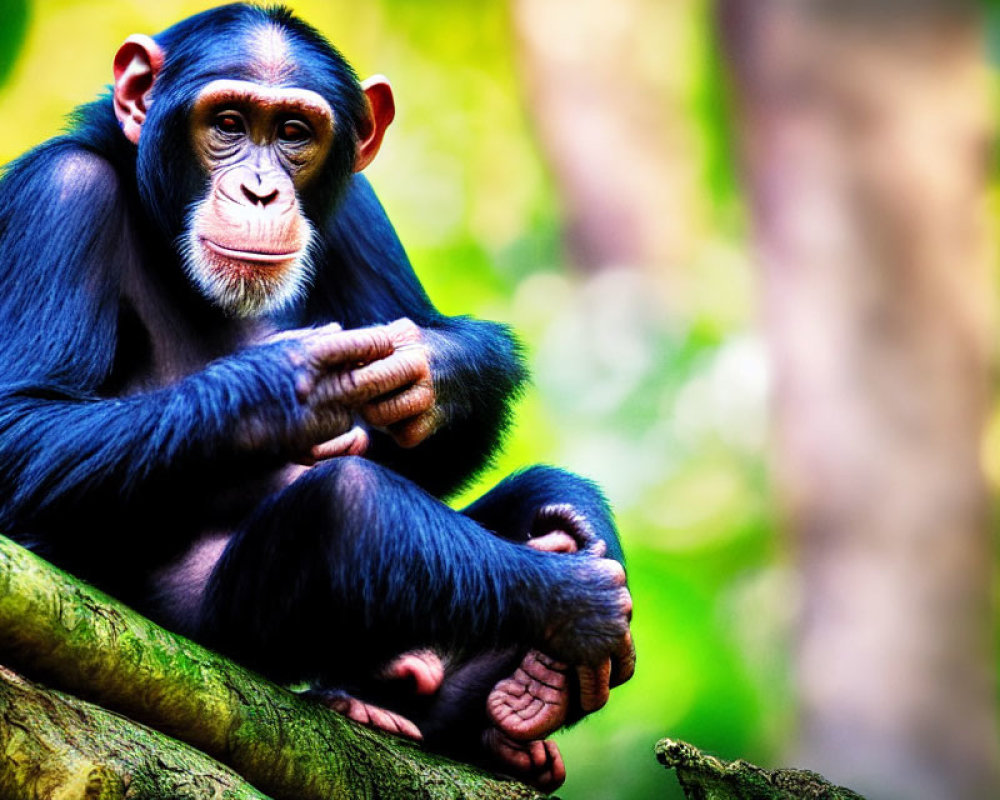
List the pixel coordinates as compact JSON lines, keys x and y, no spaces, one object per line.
{"x":705,"y":777}
{"x":73,"y":637}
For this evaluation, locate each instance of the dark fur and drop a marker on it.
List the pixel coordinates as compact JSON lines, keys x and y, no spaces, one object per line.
{"x":121,"y":389}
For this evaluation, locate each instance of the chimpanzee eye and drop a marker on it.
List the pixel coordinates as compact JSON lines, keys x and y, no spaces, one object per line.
{"x":229,"y":122}
{"x":294,"y":130}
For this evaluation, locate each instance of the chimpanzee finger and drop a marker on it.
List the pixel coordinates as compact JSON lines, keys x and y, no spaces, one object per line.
{"x":335,"y":347}
{"x":623,"y":662}
{"x":411,"y":432}
{"x":404,"y":332}
{"x":393,"y":723}
{"x":411,"y":402}
{"x":594,"y":685}
{"x":555,"y":775}
{"x":386,"y":375}
{"x":324,"y":422}
{"x":353,"y":443}
{"x":537,"y":763}
{"x":370,"y":715}
{"x":300,"y":334}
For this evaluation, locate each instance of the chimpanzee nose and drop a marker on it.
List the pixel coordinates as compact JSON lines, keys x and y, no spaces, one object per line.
{"x":262,"y":194}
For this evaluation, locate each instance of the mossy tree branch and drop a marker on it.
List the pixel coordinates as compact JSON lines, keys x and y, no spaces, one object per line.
{"x":56,"y":747}
{"x":73,"y":637}
{"x":705,"y":777}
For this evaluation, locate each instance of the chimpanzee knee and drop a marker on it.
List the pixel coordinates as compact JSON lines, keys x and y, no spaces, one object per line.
{"x":285,"y":597}
{"x":353,"y":564}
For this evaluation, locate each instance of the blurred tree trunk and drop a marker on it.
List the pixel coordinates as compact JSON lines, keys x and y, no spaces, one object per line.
{"x":864,"y":143}
{"x":608,"y":102}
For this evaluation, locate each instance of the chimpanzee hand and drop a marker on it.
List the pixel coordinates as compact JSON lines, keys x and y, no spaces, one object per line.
{"x":381,"y":373}
{"x":328,"y":365}
{"x":406,"y":403}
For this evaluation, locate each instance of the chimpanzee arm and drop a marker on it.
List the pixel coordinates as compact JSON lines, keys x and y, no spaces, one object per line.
{"x":477,"y":366}
{"x":64,"y":236}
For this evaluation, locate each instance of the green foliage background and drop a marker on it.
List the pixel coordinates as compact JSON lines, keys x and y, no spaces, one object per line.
{"x":660,"y":399}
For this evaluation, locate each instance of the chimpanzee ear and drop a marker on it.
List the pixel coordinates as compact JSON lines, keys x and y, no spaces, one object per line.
{"x":137,"y":63}
{"x":381,"y":110}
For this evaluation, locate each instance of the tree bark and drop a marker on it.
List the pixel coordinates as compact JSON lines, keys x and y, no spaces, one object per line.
{"x":56,"y":747}
{"x":864,"y":143}
{"x":705,"y":777}
{"x":73,"y":637}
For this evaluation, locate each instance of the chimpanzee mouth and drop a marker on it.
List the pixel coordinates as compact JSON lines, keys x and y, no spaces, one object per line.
{"x":250,"y":255}
{"x":248,"y":283}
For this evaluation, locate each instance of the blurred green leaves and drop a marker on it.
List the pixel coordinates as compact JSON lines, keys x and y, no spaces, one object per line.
{"x":13,"y":26}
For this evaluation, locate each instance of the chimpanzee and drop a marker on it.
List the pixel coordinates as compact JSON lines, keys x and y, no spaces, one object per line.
{"x":226,"y":399}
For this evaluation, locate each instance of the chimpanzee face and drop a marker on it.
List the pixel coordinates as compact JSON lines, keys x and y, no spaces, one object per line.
{"x":249,"y":146}
{"x":247,"y":241}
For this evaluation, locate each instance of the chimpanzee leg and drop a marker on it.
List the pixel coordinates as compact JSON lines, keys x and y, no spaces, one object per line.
{"x":507,"y":700}
{"x":546,"y":508}
{"x":352,"y":564}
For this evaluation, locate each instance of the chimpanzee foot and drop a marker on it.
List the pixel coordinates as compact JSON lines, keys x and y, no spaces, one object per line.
{"x":533,"y":702}
{"x":423,"y":668}
{"x":369,"y":715}
{"x":537,"y":763}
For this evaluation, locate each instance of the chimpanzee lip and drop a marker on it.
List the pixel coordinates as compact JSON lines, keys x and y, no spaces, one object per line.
{"x":249,"y":255}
